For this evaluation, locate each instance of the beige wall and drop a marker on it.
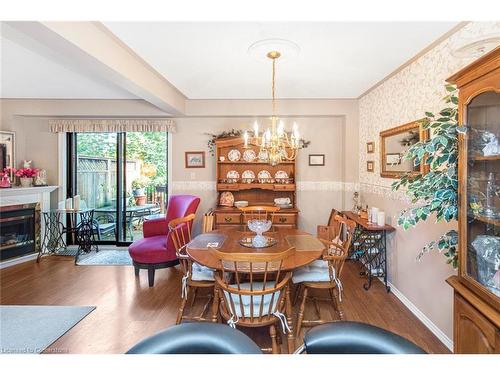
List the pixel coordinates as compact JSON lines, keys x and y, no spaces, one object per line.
{"x":404,"y":98}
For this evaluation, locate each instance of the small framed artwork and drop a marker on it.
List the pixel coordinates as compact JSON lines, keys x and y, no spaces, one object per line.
{"x":370,"y":166}
{"x":194,"y":159}
{"x":316,"y":160}
{"x":393,"y":159}
{"x":370,"y":147}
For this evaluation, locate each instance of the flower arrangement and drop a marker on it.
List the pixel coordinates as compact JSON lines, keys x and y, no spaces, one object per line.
{"x":26,"y":172}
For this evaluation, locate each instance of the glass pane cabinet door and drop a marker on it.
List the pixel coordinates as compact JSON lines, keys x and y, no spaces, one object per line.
{"x":483,"y":191}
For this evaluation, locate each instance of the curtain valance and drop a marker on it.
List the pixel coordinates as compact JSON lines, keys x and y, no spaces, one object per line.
{"x":111,"y":125}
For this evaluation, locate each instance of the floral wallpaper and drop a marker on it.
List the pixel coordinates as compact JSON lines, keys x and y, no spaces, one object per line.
{"x":405,"y":97}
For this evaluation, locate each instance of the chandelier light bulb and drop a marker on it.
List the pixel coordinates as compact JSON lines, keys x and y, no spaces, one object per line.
{"x":281,"y":128}
{"x":268,"y":135}
{"x":255,"y":129}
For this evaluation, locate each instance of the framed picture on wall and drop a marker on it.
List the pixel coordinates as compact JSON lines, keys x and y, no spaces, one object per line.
{"x":7,"y":149}
{"x":370,"y":147}
{"x":194,"y":159}
{"x":370,"y":166}
{"x":316,"y":160}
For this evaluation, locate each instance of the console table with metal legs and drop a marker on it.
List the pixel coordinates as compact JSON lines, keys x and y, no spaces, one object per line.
{"x":81,"y":228}
{"x":369,"y":247}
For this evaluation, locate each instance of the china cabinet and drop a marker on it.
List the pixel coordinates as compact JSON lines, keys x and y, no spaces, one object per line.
{"x":477,"y":285}
{"x":243,"y":173}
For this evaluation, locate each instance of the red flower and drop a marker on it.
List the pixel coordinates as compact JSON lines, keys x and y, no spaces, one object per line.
{"x":27,"y":172}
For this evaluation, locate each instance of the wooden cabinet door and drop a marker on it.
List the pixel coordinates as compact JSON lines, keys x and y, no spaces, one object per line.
{"x":474,"y":334}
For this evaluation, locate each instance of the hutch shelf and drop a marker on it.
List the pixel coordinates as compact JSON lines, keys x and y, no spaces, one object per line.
{"x":476,"y":316}
{"x":256,"y":191}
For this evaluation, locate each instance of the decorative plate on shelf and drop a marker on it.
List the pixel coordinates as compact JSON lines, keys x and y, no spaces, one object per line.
{"x":233,"y":174}
{"x":248,"y":174}
{"x":264,"y":174}
{"x":234,"y":155}
{"x":263,"y":156}
{"x":226,"y":199}
{"x":249,"y":156}
{"x":281,"y":174}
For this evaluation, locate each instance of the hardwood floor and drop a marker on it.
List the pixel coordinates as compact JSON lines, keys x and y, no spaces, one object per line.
{"x":128,"y":310}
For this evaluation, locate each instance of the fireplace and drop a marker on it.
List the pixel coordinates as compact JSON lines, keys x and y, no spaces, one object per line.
{"x":17,"y":231}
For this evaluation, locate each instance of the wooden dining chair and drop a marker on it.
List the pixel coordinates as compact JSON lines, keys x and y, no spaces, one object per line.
{"x":331,"y":230}
{"x":259,"y":213}
{"x":253,"y":303}
{"x":195,"y":275}
{"x":325,"y":273}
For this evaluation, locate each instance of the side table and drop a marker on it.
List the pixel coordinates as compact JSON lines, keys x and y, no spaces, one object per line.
{"x":370,"y":248}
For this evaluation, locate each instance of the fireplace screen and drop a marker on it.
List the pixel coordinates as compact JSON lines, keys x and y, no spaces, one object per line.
{"x":17,"y":232}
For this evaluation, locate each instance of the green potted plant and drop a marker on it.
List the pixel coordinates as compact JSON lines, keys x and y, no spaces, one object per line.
{"x":435,"y":194}
{"x":138,"y":186}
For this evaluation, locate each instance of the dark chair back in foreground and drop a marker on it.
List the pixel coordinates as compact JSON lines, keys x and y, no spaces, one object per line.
{"x":355,"y":338}
{"x":197,"y":338}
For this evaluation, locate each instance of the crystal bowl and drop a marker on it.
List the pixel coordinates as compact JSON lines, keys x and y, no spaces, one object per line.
{"x":259,"y":226}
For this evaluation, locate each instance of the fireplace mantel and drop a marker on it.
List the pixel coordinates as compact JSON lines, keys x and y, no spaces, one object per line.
{"x":19,"y":196}
{"x":22,"y":195}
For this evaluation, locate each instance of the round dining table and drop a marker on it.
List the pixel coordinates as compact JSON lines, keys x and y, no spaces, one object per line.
{"x":307,"y":247}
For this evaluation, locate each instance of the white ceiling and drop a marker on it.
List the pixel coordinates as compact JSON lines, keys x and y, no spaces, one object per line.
{"x":27,"y":74}
{"x":336,"y":60}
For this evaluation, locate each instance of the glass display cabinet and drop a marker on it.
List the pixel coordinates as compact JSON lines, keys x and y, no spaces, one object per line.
{"x":477,"y":285}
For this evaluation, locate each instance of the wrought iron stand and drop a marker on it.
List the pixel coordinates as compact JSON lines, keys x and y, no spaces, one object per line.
{"x":369,"y":247}
{"x":83,"y":231}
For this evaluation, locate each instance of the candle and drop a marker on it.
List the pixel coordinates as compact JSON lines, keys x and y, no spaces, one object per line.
{"x":381,"y":218}
{"x":245,"y":137}
{"x":374,"y":215}
{"x":255,"y":129}
{"x":69,"y":204}
{"x":76,"y":202}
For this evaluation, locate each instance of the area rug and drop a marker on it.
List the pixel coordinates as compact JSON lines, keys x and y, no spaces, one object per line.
{"x":29,"y":329}
{"x":105,"y":258}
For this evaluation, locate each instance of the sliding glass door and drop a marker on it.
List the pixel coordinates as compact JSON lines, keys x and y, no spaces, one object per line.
{"x":122,"y":176}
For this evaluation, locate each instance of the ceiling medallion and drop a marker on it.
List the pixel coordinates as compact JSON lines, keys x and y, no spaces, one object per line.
{"x":287,"y":49}
{"x":275,"y":142}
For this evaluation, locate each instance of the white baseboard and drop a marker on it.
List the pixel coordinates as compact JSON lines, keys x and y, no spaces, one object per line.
{"x":12,"y":262}
{"x":422,"y":317}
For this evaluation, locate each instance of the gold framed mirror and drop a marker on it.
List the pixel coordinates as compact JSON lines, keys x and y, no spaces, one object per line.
{"x":393,"y":145}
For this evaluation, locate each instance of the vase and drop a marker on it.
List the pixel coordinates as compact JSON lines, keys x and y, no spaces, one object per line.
{"x":140,"y":200}
{"x":26,"y":181}
{"x":5,"y":181}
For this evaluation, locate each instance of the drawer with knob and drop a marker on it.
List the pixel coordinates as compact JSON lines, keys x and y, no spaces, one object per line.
{"x":282,"y":219}
{"x":228,"y":218}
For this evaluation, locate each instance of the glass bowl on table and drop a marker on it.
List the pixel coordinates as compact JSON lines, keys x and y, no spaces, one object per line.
{"x":259,"y":227}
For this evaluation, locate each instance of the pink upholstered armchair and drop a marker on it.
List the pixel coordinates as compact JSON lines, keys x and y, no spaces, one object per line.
{"x":156,"y":249}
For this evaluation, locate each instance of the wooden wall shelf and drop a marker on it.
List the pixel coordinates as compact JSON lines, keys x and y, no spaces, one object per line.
{"x":486,"y":158}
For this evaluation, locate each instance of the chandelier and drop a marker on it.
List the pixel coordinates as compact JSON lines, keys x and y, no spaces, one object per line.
{"x":276,"y":145}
